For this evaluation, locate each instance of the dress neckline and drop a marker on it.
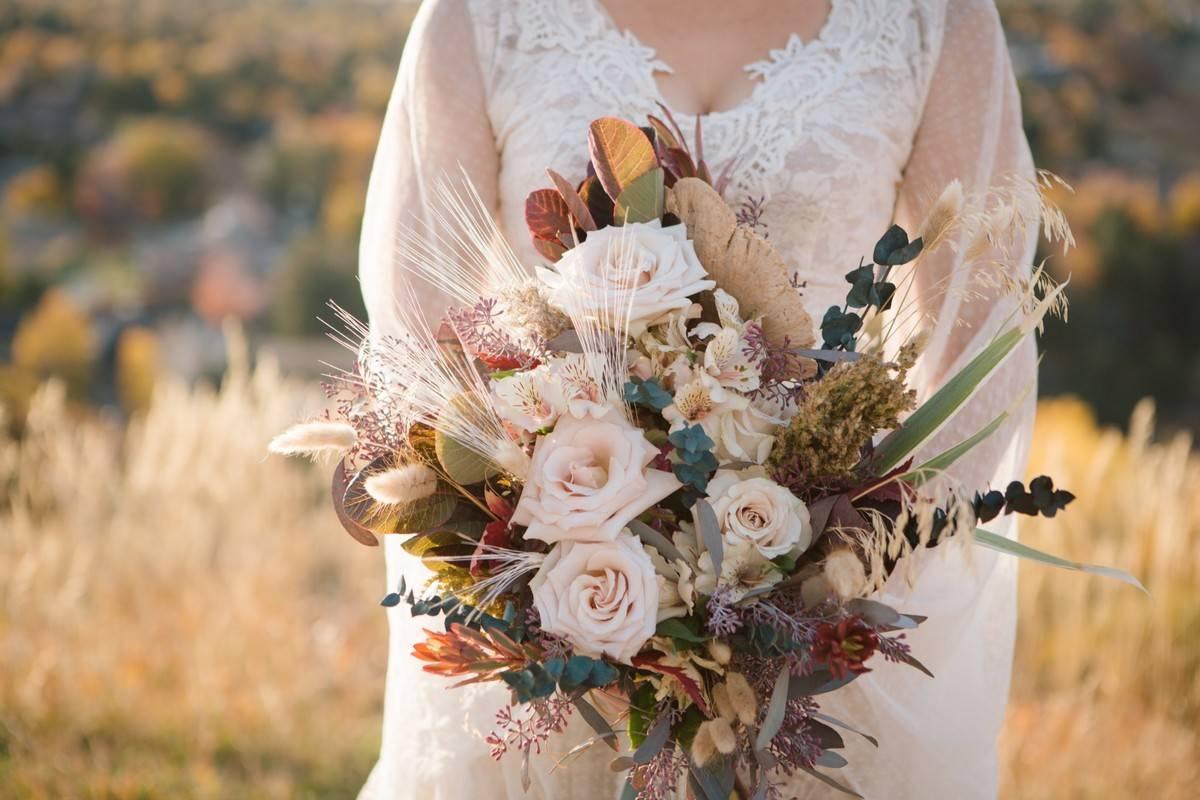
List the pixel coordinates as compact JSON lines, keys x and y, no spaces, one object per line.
{"x":762,"y":69}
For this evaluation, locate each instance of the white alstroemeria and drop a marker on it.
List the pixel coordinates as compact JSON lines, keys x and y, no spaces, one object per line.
{"x":530,"y":400}
{"x":701,"y":400}
{"x":743,"y":570}
{"x":676,"y":585}
{"x":666,"y":345}
{"x":747,"y":434}
{"x":725,"y":359}
{"x":728,"y":316}
{"x":576,"y":387}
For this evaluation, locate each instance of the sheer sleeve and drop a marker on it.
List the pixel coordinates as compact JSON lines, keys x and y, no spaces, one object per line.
{"x":971,"y":132}
{"x":436,"y":123}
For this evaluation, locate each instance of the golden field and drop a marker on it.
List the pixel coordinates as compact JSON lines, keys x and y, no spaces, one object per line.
{"x":180,"y":617}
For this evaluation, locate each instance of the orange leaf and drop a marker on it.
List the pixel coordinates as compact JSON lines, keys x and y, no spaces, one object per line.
{"x":621,"y":153}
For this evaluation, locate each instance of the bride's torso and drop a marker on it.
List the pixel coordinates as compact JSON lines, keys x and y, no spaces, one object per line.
{"x":819,"y":145}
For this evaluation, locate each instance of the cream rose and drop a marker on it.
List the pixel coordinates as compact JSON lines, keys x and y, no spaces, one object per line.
{"x":760,"y":512}
{"x":747,"y":434}
{"x":588,"y":479}
{"x":643,"y":267}
{"x":602,"y":597}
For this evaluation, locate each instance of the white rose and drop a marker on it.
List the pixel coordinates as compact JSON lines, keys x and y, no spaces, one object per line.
{"x":643,"y":267}
{"x":588,"y":479}
{"x":746,"y":434}
{"x":601,"y":596}
{"x":760,"y":512}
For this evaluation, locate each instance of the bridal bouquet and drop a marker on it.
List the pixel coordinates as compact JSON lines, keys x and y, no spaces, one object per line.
{"x":646,"y":488}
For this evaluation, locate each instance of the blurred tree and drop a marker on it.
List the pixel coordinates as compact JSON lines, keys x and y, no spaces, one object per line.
{"x":1133,"y":330}
{"x":138,"y":368}
{"x":152,"y":169}
{"x":315,"y":271}
{"x":55,"y":340}
{"x":36,"y":191}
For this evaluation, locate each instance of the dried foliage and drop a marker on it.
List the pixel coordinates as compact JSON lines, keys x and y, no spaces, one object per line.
{"x":823,"y":443}
{"x":742,"y":263}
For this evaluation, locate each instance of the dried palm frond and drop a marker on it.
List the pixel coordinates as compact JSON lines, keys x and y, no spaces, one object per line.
{"x":742,"y":263}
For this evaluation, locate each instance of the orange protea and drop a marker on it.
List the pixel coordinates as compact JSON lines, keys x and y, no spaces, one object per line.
{"x":481,"y":654}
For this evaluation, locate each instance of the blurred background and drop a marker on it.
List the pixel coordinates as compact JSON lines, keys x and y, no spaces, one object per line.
{"x":181,"y":187}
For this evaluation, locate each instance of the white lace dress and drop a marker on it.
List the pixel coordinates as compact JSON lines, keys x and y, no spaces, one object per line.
{"x":844,"y":134}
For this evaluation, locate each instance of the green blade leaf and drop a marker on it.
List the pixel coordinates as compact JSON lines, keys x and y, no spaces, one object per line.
{"x":927,"y":419}
{"x":642,"y":200}
{"x":941,"y":462}
{"x":1002,"y":544}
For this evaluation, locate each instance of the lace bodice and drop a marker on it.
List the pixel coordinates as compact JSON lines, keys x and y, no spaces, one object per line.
{"x":821,"y":141}
{"x":863,"y":125}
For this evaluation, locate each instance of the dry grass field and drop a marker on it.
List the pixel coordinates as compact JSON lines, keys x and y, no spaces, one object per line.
{"x":180,"y":618}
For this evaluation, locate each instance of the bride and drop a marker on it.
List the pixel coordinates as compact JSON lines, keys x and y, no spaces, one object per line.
{"x":838,"y":117}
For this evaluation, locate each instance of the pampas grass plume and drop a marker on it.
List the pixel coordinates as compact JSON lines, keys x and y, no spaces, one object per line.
{"x":742,"y":698}
{"x":942,"y":216}
{"x":406,"y":483}
{"x":314,"y":439}
{"x":845,"y":573}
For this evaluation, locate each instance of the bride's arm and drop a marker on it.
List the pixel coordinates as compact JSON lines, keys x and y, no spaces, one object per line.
{"x":436,"y":123}
{"x":971,"y":131}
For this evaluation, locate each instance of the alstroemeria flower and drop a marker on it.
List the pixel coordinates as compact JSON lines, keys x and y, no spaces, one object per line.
{"x":530,"y":400}
{"x":588,"y":479}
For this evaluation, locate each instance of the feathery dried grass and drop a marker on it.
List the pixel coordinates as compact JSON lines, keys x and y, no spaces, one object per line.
{"x":181,"y":616}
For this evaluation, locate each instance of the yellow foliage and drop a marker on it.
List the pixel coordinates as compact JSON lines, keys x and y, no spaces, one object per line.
{"x":137,"y":368}
{"x":37,"y":190}
{"x":1106,"y":699}
{"x":55,"y":339}
{"x":342,"y":209}
{"x":1185,"y":203}
{"x":181,"y":616}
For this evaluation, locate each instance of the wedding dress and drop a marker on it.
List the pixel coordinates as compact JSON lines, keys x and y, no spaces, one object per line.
{"x":861,"y":126}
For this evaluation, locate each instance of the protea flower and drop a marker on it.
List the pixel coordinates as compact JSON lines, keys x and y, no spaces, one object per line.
{"x":845,"y":647}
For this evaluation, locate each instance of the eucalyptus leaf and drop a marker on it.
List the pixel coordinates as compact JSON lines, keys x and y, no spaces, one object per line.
{"x":828,"y":781}
{"x":628,"y":792}
{"x":826,"y":736}
{"x":776,"y":711}
{"x":712,"y":782}
{"x":1003,"y":544}
{"x":658,"y":541}
{"x":594,"y":718}
{"x":819,"y":681}
{"x":843,"y":725}
{"x":831,"y":759}
{"x":710,"y":533}
{"x":875,"y":613}
{"x":655,"y":739}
